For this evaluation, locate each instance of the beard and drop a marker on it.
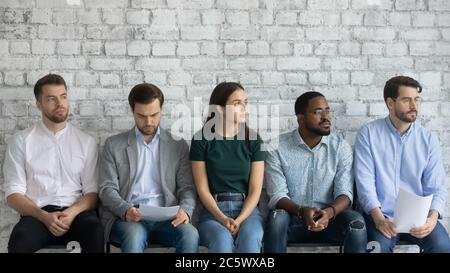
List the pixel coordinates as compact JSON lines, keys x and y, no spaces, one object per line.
{"x":319,"y":131}
{"x":56,"y":118}
{"x":148,"y":130}
{"x":404,"y":116}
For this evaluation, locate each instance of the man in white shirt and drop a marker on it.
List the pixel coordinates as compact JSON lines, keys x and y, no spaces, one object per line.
{"x":51,"y":178}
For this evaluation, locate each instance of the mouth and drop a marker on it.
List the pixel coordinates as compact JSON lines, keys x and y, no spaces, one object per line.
{"x":326,"y":124}
{"x":60,"y":111}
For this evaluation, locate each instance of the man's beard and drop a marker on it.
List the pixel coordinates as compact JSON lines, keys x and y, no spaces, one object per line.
{"x":319,"y":131}
{"x":148,"y":130}
{"x":403,"y":116}
{"x":57,"y":118}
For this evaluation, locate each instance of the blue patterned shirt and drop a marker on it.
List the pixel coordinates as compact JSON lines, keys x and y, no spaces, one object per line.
{"x":310,"y":177}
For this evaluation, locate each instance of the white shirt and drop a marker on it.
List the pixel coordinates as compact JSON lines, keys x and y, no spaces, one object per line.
{"x":51,"y":169}
{"x":147,"y":189}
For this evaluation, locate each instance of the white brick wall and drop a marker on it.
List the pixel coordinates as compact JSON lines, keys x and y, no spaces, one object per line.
{"x":346,"y":49}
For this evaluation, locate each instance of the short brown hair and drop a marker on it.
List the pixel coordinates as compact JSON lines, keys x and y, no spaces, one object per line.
{"x":48,"y":79}
{"x":145,"y":93}
{"x":393,"y":84}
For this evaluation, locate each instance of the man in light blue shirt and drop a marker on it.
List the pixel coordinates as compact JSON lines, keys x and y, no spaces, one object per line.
{"x":147,"y":190}
{"x":398,"y":153}
{"x":309,"y":180}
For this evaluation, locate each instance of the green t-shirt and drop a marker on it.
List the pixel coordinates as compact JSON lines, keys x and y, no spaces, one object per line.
{"x":228,"y":162}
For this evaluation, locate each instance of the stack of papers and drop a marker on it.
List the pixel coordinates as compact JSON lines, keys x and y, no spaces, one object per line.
{"x":411,"y":210}
{"x":152,"y":213}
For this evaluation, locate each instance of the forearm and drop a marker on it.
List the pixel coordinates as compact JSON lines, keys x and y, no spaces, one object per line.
{"x":377,"y":214}
{"x":210,"y":204}
{"x":25,"y":206}
{"x":288,"y":205}
{"x":340,"y":204}
{"x":250,"y":204}
{"x":86,"y":202}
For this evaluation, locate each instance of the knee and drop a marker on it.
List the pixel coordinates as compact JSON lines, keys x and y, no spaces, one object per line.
{"x":355,"y":222}
{"x":22,"y":241}
{"x":188,"y":232}
{"x":220,"y":237}
{"x":93,"y":226}
{"x":278,"y":222}
{"x":18,"y":243}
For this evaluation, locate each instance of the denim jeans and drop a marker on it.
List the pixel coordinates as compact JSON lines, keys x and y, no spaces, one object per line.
{"x":437,"y":241}
{"x":283,"y":228}
{"x":133,"y":237}
{"x":218,"y":239}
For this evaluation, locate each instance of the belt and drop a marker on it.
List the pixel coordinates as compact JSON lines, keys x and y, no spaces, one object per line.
{"x":224,"y":197}
{"x":52,"y":208}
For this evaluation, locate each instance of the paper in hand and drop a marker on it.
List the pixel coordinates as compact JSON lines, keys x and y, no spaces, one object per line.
{"x":411,"y":210}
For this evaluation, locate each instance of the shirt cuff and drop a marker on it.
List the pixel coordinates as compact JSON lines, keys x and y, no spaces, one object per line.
{"x":14,"y":189}
{"x":275,"y":199}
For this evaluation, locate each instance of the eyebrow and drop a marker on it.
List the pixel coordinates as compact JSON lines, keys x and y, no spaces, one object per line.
{"x":139,"y":114}
{"x":53,"y":96}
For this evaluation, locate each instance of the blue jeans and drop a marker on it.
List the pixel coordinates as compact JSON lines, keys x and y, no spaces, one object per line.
{"x":283,"y":228}
{"x":133,"y":237}
{"x":218,"y":238}
{"x":437,"y":241}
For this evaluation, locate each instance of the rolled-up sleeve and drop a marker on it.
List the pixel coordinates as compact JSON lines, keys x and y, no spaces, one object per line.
{"x":434,"y":178}
{"x":14,"y":166}
{"x":276,"y":186}
{"x":364,"y":167}
{"x":343,"y":180}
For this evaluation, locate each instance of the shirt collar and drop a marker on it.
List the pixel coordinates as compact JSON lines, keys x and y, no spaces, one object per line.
{"x":140,"y":136}
{"x":394,"y":130}
{"x":298,"y":140}
{"x":50,"y":133}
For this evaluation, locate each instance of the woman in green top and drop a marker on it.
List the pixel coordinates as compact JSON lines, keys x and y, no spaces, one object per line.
{"x":228,"y":170}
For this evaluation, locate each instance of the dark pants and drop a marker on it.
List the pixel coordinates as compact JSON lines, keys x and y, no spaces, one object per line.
{"x":348,"y":228}
{"x":30,"y":234}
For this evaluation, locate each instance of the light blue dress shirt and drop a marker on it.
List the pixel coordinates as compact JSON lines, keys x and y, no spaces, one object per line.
{"x":385,"y":161}
{"x":310,"y":177}
{"x":147,"y":189}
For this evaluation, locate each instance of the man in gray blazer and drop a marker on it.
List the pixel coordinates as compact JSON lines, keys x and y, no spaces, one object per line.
{"x":146,"y":166}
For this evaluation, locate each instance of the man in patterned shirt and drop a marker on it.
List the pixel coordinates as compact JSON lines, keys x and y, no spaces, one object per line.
{"x":310,"y":184}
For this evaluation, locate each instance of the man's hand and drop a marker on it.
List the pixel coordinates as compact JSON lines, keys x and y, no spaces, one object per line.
{"x":56,"y":226}
{"x":427,"y":228}
{"x":386,"y":227}
{"x":180,"y":218}
{"x":310,"y":215}
{"x":133,"y":215}
{"x":322,"y":219}
{"x":67,"y":218}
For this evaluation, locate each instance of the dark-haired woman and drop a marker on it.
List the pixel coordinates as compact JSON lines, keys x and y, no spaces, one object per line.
{"x":228,"y":170}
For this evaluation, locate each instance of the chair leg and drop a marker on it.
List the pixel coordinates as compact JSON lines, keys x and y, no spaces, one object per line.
{"x":108,"y":247}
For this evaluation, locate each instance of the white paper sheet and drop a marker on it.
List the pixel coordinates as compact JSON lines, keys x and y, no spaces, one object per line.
{"x":411,"y":210}
{"x":152,"y":213}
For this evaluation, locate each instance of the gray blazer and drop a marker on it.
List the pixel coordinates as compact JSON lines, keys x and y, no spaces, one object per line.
{"x":118,"y":163}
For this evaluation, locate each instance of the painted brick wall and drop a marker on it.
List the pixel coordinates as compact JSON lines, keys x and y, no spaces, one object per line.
{"x":346,"y":49}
